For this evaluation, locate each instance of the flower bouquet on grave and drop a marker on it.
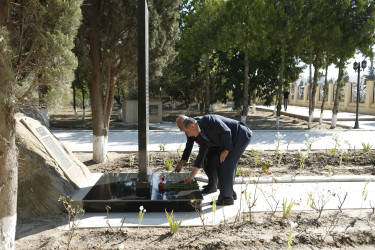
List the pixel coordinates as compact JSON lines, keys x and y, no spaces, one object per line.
{"x":166,"y":186}
{"x":178,"y":186}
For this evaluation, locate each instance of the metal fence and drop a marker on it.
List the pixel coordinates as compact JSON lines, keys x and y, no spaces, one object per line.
{"x":362,"y":93}
{"x":321,"y":93}
{"x":300,"y":92}
{"x":292,"y":93}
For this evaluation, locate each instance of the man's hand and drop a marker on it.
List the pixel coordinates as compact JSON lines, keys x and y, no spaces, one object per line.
{"x":179,"y":166}
{"x":191,"y":176}
{"x":223,"y":155}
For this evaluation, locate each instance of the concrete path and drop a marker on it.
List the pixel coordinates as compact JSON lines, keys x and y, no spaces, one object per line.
{"x":127,"y":141}
{"x":166,"y":136}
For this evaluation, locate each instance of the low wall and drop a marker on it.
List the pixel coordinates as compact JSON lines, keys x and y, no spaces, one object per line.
{"x":299,"y":97}
{"x":130,"y":111}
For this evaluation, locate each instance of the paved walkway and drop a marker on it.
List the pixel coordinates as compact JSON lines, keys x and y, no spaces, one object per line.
{"x":165,"y":135}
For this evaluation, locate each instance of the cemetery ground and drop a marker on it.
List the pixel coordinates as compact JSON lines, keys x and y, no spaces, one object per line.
{"x":334,"y":229}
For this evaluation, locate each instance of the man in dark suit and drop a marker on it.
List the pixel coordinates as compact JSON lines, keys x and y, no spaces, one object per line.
{"x":210,"y":162}
{"x":219,"y":131}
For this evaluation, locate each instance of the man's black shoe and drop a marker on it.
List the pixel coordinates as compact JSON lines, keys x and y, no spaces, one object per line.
{"x":208,"y":190}
{"x":234,"y":195}
{"x":224,"y":201}
{"x":204,"y":186}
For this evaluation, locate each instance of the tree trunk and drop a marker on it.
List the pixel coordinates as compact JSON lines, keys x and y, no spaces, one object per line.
{"x":74,"y":102}
{"x":83,"y":104}
{"x":99,"y":128}
{"x":254,"y":99}
{"x":337,"y":99}
{"x":280,"y":88}
{"x":245,"y":106}
{"x":313,"y":92}
{"x":325,"y":89}
{"x":8,"y":175}
{"x":207,"y":95}
{"x":8,"y":148}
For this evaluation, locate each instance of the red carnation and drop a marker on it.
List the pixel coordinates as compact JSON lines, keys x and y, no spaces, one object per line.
{"x":162,"y":178}
{"x":161,"y":187}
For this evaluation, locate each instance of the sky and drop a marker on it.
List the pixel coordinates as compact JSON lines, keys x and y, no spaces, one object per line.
{"x":333,"y":71}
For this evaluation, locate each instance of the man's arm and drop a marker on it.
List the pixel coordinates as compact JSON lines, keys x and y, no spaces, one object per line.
{"x":194,"y":171}
{"x":185,"y":156}
{"x":203,"y":148}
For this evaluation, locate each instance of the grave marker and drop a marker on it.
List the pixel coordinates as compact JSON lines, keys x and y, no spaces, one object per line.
{"x":143,"y":184}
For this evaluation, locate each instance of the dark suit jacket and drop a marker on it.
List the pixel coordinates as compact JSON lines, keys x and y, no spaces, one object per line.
{"x":221,"y":132}
{"x":190,"y":143}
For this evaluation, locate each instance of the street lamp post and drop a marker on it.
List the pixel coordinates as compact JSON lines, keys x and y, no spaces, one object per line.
{"x":357,"y":66}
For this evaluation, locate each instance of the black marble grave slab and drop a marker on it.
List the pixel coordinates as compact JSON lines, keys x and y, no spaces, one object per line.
{"x":118,"y":190}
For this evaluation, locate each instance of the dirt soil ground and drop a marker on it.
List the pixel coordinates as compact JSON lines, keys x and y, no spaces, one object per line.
{"x":347,"y":229}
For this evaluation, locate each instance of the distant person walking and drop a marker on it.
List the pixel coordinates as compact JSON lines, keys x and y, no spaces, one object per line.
{"x":286,"y":99}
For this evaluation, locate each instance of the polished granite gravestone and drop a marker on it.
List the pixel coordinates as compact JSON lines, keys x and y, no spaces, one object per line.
{"x":118,"y":191}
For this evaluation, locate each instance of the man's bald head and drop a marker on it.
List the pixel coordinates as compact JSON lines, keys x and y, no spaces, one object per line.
{"x":180,"y":120}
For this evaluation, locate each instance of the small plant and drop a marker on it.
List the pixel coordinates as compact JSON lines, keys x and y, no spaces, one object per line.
{"x":131,"y":161}
{"x":168,"y":163}
{"x":239,"y":171}
{"x":366,"y":147}
{"x":373,"y":208}
{"x":342,"y":152}
{"x":287,"y":208}
{"x":303,"y":157}
{"x":179,"y":152}
{"x":251,"y":204}
{"x":280,"y":158}
{"x":196,"y":207}
{"x":318,"y":203}
{"x":265,"y":166}
{"x":162,"y":147}
{"x":152,"y":156}
{"x":329,"y":169}
{"x":364,"y":194}
{"x":257,"y":154}
{"x":309,"y":141}
{"x":213,"y":209}
{"x":337,"y":145}
{"x":142,"y":212}
{"x":341,"y":201}
{"x":349,"y":145}
{"x":272,"y":202}
{"x":290,"y":239}
{"x":74,"y":215}
{"x":107,"y":220}
{"x":173,"y":224}
{"x":279,"y":138}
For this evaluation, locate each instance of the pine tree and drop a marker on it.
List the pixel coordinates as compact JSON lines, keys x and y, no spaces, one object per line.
{"x":36,"y":39}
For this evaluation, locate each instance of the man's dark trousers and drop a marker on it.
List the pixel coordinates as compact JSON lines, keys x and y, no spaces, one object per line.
{"x":210,"y":166}
{"x":227,"y":170}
